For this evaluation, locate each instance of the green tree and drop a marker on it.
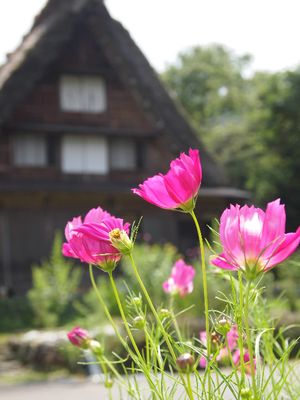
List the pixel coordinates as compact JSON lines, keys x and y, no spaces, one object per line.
{"x":55,"y":285}
{"x":276,"y":128}
{"x":251,"y":125}
{"x":210,"y":84}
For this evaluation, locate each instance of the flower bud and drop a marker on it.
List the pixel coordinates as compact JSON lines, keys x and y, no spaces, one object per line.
{"x":136,"y":301}
{"x":79,"y":337}
{"x":164,"y":313}
{"x":107,"y":265}
{"x":121,"y":241}
{"x":108,"y":383}
{"x":246,"y":393}
{"x":215,"y":340}
{"x":223,"y":326}
{"x":185,"y":362}
{"x":96,"y":347}
{"x":139,"y":322}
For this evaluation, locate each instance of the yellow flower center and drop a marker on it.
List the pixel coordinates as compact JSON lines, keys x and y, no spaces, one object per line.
{"x":115,"y":234}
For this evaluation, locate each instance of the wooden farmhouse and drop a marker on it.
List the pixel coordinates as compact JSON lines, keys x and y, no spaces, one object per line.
{"x":84,"y":118}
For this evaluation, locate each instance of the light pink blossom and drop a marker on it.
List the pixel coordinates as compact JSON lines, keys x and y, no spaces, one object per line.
{"x":181,"y":279}
{"x":236,"y":358}
{"x":232,"y":339}
{"x":254,"y":240}
{"x":176,"y":189}
{"x":79,"y":337}
{"x":90,"y":241}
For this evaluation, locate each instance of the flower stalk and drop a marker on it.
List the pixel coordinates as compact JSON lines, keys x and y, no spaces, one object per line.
{"x":249,"y":340}
{"x":156,"y":316}
{"x":205,"y":296}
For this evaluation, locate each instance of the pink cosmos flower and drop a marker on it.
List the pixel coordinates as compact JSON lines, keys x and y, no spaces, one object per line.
{"x":79,"y":337}
{"x":90,"y":241}
{"x":178,"y":188}
{"x":254,"y":240}
{"x":232,"y":338}
{"x":181,"y":279}
{"x":236,"y":358}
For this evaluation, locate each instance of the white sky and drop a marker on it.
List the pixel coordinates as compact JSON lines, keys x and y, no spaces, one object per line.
{"x":267,"y":29}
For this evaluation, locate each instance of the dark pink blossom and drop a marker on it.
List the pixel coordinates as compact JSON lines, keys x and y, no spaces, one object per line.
{"x":90,"y":241}
{"x":79,"y":337}
{"x":178,"y":188}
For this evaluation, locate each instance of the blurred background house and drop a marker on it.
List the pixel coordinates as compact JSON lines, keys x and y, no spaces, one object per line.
{"x":84,"y":118}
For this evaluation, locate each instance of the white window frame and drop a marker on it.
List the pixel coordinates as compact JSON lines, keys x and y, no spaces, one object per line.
{"x":29,"y":150}
{"x":90,"y":155}
{"x":82,"y":93}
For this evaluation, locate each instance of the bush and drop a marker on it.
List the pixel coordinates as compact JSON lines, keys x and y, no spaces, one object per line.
{"x":55,"y":286}
{"x":156,"y":267}
{"x":16,"y":314}
{"x":154,"y":263}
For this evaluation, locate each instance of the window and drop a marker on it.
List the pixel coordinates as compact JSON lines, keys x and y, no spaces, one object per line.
{"x":123,"y":154}
{"x":85,"y":94}
{"x":29,"y":150}
{"x":84,"y":154}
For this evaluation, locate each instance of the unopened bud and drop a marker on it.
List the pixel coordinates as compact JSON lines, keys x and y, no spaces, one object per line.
{"x":108,"y":383}
{"x":185,"y":362}
{"x":96,"y":347}
{"x":136,"y":301}
{"x":223,"y":326}
{"x":121,"y":241}
{"x":107,"y":265}
{"x":246,"y":393}
{"x":139,"y":322}
{"x":79,"y":337}
{"x":164,"y":313}
{"x":215,"y":338}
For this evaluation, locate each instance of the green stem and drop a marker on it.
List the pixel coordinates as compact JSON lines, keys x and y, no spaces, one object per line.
{"x":164,"y":333}
{"x":174,"y":320}
{"x":114,"y":370}
{"x":147,"y":348}
{"x":189,"y":385}
{"x":133,"y":342}
{"x":231,"y":361}
{"x":155,"y":357}
{"x":106,"y":310}
{"x":119,"y":336}
{"x":240,"y":326}
{"x":117,"y":297}
{"x":205,"y":295}
{"x":249,"y":341}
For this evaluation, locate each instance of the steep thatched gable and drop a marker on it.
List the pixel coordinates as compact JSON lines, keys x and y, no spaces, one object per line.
{"x":54,"y":27}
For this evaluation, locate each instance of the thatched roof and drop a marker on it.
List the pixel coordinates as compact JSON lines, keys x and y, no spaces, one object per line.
{"x":54,"y":27}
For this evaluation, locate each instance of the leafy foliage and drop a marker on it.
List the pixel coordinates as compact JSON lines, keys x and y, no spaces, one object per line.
{"x":21,"y":310}
{"x":276,"y":129}
{"x":154,"y":269}
{"x":55,"y":285}
{"x":250,"y":124}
